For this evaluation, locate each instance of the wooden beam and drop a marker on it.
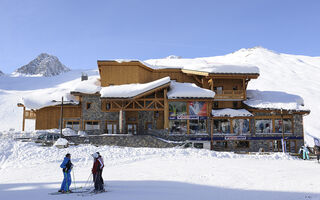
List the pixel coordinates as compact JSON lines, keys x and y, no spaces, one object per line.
{"x":166,"y":110}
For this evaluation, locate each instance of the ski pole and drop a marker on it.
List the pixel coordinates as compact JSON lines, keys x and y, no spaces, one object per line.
{"x":74,"y":180}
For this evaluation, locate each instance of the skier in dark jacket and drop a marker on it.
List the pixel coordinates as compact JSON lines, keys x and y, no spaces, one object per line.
{"x":97,"y":173}
{"x":66,"y":166}
{"x":101,"y":159}
{"x":317,"y":152}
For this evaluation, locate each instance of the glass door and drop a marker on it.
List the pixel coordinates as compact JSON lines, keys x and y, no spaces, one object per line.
{"x":132,"y":128}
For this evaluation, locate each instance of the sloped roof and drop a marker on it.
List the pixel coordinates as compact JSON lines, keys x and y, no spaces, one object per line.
{"x":228,"y":112}
{"x":274,"y":100}
{"x":132,"y":90}
{"x":188,"y":90}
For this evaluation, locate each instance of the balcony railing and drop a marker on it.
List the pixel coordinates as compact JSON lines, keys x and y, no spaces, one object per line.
{"x":229,"y":94}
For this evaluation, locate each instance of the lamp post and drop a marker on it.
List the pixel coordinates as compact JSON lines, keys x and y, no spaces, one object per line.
{"x":61,"y":112}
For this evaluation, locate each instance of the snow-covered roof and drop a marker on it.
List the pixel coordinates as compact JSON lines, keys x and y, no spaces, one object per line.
{"x":228,"y":112}
{"x":37,"y":99}
{"x":199,"y":64}
{"x":188,"y":90}
{"x":274,"y":100}
{"x":90,"y":86}
{"x":131,"y":90}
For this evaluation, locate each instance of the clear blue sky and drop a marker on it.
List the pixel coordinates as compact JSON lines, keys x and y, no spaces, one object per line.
{"x":80,"y":32}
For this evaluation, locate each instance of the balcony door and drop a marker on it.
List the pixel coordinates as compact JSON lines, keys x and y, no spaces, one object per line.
{"x":132,"y":128}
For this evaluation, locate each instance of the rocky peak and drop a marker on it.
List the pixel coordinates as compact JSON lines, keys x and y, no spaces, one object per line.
{"x":43,"y":65}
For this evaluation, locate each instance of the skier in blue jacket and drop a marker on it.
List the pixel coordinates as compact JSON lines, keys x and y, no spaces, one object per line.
{"x":66,"y":166}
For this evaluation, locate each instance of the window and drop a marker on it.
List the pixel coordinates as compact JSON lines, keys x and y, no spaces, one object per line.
{"x":92,"y":125}
{"x":197,"y":126}
{"x":263,"y":125}
{"x":75,"y":125}
{"x":148,"y":126}
{"x":242,"y":144}
{"x":218,"y":89}
{"x":241,"y":126}
{"x":111,"y":127}
{"x":108,"y":106}
{"x":88,"y":105}
{"x":235,"y":104}
{"x":287,"y":124}
{"x":177,"y":108}
{"x":216,"y":104}
{"x":221,"y":126}
{"x":178,"y":126}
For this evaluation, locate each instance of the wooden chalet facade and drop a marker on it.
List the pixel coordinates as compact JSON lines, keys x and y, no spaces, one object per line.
{"x":186,"y":116}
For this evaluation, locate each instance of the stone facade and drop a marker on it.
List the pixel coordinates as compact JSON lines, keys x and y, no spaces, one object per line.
{"x":123,"y":140}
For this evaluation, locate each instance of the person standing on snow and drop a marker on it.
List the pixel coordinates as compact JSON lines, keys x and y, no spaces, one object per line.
{"x":317,"y":152}
{"x":305,"y":152}
{"x":101,"y":159}
{"x":97,"y":173}
{"x":66,"y":166}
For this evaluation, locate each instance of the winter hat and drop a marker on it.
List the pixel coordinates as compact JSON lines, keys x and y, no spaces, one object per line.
{"x":95,"y":155}
{"x":68,"y":155}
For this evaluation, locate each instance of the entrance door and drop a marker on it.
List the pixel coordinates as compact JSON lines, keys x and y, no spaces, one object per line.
{"x":111,"y":127}
{"x":132,"y":128}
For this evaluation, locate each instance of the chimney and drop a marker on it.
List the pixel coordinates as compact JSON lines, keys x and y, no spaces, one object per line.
{"x":84,"y":76}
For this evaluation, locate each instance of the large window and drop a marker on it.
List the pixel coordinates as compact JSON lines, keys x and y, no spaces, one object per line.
{"x":263,"y":125}
{"x":92,"y":125}
{"x":241,"y":126}
{"x":197,"y":126}
{"x":75,"y":125}
{"x":221,"y":126}
{"x":178,"y":126}
{"x":177,"y":108}
{"x":287,"y":124}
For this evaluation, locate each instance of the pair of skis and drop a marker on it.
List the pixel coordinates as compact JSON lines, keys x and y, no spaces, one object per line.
{"x":86,"y":192}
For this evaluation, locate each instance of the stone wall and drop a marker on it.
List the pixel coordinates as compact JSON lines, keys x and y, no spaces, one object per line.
{"x":123,"y":140}
{"x":94,"y":113}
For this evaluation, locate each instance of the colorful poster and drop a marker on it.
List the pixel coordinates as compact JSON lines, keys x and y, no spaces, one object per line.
{"x":177,"y":108}
{"x":198,"y":108}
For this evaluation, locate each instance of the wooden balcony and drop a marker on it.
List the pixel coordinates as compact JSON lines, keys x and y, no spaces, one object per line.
{"x":230,"y":94}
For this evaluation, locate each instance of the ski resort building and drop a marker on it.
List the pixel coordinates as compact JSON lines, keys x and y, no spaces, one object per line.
{"x":184,"y":100}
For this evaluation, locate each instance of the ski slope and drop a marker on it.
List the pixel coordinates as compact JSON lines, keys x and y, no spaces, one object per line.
{"x":30,"y":172}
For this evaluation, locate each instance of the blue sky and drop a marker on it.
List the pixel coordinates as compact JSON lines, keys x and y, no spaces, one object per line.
{"x":81,"y":32}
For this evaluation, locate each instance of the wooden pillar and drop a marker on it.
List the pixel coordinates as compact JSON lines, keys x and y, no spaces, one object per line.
{"x":166,"y":109}
{"x":244,"y":89}
{"x":23,"y":118}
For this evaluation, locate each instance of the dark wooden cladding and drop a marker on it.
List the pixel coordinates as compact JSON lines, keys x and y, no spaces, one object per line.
{"x":49,"y":117}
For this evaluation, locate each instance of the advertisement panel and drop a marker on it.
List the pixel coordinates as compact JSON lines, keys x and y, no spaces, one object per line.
{"x":198,"y":108}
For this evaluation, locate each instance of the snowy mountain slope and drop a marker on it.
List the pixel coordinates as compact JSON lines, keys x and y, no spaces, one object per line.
{"x":43,"y":65}
{"x":294,"y":74}
{"x":1,"y":73}
{"x":13,"y":89}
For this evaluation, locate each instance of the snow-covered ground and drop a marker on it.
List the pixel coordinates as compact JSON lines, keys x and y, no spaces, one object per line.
{"x":29,"y":171}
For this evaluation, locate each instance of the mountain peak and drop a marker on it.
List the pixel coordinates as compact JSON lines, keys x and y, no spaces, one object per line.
{"x":173,"y":57}
{"x":1,"y":73}
{"x":43,"y":65}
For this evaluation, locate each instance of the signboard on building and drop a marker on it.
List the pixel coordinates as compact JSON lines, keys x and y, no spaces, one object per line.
{"x":235,"y":137}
